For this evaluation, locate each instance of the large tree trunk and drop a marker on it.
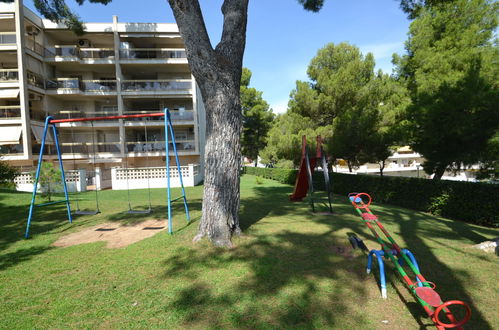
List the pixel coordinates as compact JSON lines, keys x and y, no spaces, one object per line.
{"x":381,"y":167}
{"x":439,"y":172}
{"x":218,"y":74}
{"x":223,"y":161}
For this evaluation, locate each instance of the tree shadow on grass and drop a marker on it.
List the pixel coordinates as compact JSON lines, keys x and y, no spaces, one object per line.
{"x":13,"y":221}
{"x":293,"y":277}
{"x":286,"y":284}
{"x":10,"y":259}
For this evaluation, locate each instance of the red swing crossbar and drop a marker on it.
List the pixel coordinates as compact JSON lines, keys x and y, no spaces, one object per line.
{"x":72,"y":120}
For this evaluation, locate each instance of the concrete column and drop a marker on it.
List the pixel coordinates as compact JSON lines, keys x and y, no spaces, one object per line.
{"x":82,"y":180}
{"x":119,"y":78}
{"x":113,"y":178}
{"x":195,"y":114}
{"x":23,"y":79}
{"x":98,"y":178}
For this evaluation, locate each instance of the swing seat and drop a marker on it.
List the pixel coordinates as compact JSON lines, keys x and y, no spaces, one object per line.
{"x":139,"y":211}
{"x":428,"y":295}
{"x":369,"y":216}
{"x":80,"y":212}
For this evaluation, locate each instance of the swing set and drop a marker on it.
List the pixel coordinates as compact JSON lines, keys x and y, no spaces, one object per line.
{"x":169,"y":133}
{"x":304,"y":180}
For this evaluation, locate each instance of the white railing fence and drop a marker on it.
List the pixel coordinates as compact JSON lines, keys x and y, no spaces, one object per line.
{"x":120,"y":178}
{"x":75,"y":181}
{"x":154,"y":177}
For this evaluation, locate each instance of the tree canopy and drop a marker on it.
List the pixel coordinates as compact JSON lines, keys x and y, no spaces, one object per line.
{"x":257,"y":118}
{"x":451,"y":71}
{"x":360,"y":111}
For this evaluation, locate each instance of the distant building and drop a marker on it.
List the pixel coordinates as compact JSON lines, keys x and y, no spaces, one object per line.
{"x":405,"y":162}
{"x":114,"y":69}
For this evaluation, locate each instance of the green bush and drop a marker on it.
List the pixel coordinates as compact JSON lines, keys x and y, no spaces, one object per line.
{"x":7,"y":174}
{"x":282,"y":175}
{"x":466,"y":201}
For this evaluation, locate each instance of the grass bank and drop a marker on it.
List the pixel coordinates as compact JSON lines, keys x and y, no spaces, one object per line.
{"x":290,"y":269}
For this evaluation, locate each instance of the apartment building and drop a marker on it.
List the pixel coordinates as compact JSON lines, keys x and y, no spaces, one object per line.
{"x":114,"y":69}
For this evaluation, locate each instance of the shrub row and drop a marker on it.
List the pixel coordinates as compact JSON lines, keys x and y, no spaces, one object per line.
{"x":471,"y":202}
{"x":281,"y":175}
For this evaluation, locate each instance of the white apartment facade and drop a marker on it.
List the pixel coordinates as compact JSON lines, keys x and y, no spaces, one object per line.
{"x":114,"y":69}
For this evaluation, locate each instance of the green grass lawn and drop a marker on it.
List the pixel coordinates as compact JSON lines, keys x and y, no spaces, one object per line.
{"x":290,"y":269}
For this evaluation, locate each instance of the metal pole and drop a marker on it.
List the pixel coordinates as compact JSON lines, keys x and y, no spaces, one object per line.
{"x":167,"y":149}
{"x":56,"y":140}
{"x":37,"y":176}
{"x":178,"y":166}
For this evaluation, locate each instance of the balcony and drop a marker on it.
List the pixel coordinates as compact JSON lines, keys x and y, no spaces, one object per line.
{"x":186,"y":115}
{"x":157,"y":86}
{"x":101,"y":86}
{"x":61,"y":51}
{"x":37,"y":115}
{"x":96,"y":53}
{"x":7,"y":38}
{"x":70,"y":114}
{"x":152,"y":53}
{"x":9,"y":75}
{"x":10,"y":112}
{"x":34,"y":79}
{"x":158,"y":146}
{"x":74,"y":53}
{"x":11,"y":149}
{"x":89,"y":149}
{"x":76,"y":86}
{"x":35,"y":47}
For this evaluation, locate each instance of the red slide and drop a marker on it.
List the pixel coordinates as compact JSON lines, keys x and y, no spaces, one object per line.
{"x":301,"y":184}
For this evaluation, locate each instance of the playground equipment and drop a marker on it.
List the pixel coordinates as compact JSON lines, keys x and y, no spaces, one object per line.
{"x":168,"y":129}
{"x":304,"y":180}
{"x":423,"y":290}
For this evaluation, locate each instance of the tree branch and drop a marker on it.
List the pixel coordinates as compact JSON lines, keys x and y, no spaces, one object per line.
{"x":191,"y":25}
{"x":233,"y":42}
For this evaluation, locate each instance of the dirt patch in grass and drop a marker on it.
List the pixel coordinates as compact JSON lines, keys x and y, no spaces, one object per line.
{"x":115,"y":235}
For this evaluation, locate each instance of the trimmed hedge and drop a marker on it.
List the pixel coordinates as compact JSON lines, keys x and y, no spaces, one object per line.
{"x":282,"y":175}
{"x":471,"y":202}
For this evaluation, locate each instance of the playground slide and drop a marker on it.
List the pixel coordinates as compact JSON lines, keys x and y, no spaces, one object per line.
{"x":301,"y":184}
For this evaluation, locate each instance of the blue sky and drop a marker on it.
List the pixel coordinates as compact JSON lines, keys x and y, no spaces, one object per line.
{"x":282,"y":38}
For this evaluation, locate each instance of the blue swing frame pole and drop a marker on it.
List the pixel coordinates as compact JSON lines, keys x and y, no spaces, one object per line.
{"x":178,"y":167}
{"x":37,"y":176}
{"x":167,"y":149}
{"x":169,"y":130}
{"x":63,"y":176}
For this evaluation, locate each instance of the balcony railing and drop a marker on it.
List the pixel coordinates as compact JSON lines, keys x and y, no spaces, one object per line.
{"x":37,"y":115}
{"x":81,"y":53}
{"x":69,"y":114}
{"x":7,"y":38}
{"x":35,"y":79}
{"x":103,"y":86}
{"x":99,"y":85}
{"x":153,"y":146}
{"x":88,"y":148}
{"x":35,"y":47}
{"x":155,"y":85}
{"x":66,"y":83}
{"x":186,"y":115}
{"x":11,"y":149}
{"x":97,"y":53}
{"x":62,"y":51}
{"x":9,"y":75}
{"x":151,"y":53}
{"x":10,"y":112}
